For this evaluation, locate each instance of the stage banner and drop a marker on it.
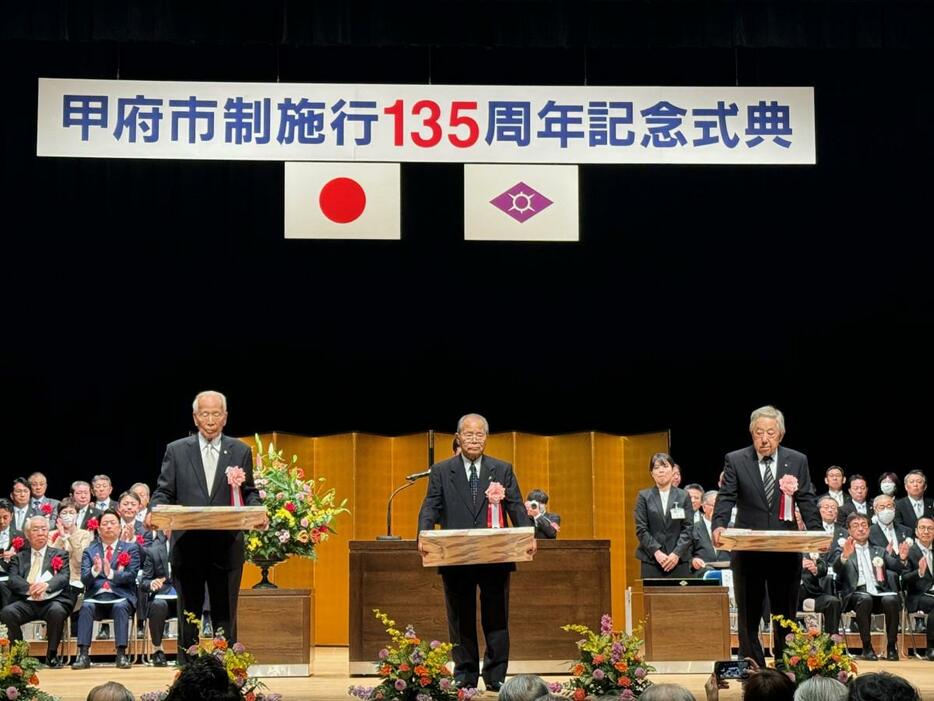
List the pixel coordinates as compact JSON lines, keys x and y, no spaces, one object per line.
{"x":425,"y":123}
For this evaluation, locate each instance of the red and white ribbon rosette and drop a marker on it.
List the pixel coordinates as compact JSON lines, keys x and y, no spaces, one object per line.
{"x":878,"y":565}
{"x":495,"y":494}
{"x":235,"y":477}
{"x":788,"y":485}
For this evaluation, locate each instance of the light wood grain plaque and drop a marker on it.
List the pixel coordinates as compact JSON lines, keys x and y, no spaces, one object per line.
{"x":208,"y":518}
{"x":477,"y":546}
{"x":775,"y":541}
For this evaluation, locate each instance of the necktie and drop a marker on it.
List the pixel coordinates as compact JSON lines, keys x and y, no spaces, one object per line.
{"x":918,"y":509}
{"x":34,"y":567}
{"x":36,"y":503}
{"x":768,"y":480}
{"x":108,"y":554}
{"x":865,"y":565}
{"x":474,"y":482}
{"x":210,"y":465}
{"x":101,"y":506}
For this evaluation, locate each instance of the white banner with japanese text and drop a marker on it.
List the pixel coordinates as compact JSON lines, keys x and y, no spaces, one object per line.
{"x":425,"y":123}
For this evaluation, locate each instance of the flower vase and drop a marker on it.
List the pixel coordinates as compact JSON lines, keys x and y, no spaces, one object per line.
{"x":265,"y":564}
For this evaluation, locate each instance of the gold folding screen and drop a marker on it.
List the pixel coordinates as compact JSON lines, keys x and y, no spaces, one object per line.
{"x":592,"y":480}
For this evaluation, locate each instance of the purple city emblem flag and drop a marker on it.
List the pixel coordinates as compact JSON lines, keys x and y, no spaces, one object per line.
{"x":521,"y":202}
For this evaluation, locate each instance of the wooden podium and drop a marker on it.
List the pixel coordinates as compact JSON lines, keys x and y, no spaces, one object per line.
{"x":477,"y":546}
{"x":208,"y":518}
{"x":686,"y":627}
{"x":277,"y":626}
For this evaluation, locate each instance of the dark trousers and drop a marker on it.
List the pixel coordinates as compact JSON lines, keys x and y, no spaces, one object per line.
{"x":120,"y":612}
{"x":53,"y":612}
{"x":864,"y":605}
{"x":223,"y":585}
{"x":652,"y":570}
{"x":755,"y":576}
{"x":926,"y":604}
{"x":829,"y":606}
{"x":158,"y":613}
{"x":460,"y":598}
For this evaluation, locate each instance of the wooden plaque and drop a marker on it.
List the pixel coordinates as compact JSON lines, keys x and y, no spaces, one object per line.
{"x":477,"y":546}
{"x":775,"y":541}
{"x":208,"y":518}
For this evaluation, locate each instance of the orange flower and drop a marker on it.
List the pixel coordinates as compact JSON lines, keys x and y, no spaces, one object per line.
{"x":220,"y":644}
{"x":250,"y":696}
{"x":4,"y":642}
{"x":34,"y":680}
{"x":16,"y":669}
{"x":813,"y":663}
{"x":424,"y":681}
{"x":421,"y":670}
{"x":404,"y":667}
{"x":794,"y":659}
{"x":385,"y":670}
{"x":579,"y":695}
{"x":835,"y":657}
{"x":624,"y":681}
{"x":621,"y":666}
{"x":813,"y":632}
{"x":577,"y":670}
{"x":598,"y":659}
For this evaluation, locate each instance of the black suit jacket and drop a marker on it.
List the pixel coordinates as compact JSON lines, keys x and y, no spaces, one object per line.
{"x":703,"y":546}
{"x":155,"y":566}
{"x":905,"y":512}
{"x":877,"y":537}
{"x":656,"y":530}
{"x":544,"y":525}
{"x":850,"y":508}
{"x":448,"y":501}
{"x":19,"y":568}
{"x":182,"y":481}
{"x":742,"y":486}
{"x":817,"y":584}
{"x":90,"y":513}
{"x":848,"y":572}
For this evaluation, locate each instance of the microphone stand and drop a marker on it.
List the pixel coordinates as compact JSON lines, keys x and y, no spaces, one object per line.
{"x":389,"y":535}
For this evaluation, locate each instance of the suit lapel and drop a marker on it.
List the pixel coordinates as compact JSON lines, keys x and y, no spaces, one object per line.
{"x":458,"y":475}
{"x":223,"y":462}
{"x":752,"y":465}
{"x":197,"y":464}
{"x":657,"y":497}
{"x":486,"y":476}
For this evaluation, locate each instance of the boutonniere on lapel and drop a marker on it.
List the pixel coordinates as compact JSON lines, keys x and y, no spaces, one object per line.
{"x":235,"y":478}
{"x":91,"y":525}
{"x":123,"y":559}
{"x":46,"y":509}
{"x":495,"y":494}
{"x":56,"y":564}
{"x":878,"y":564}
{"x":17,"y":543}
{"x":140,"y":540}
{"x":788,"y":485}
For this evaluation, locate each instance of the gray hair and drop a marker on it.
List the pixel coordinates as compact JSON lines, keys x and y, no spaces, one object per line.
{"x":102,"y":478}
{"x":710,"y":493}
{"x":876,"y":499}
{"x":143,"y":485}
{"x":919,"y":473}
{"x":768,"y":412}
{"x":79,"y":483}
{"x":111,"y":691}
{"x":461,"y":420}
{"x":666,"y":692}
{"x":523,"y":687}
{"x":825,"y":498}
{"x":29,"y":521}
{"x":820,"y":689}
{"x":206,"y":393}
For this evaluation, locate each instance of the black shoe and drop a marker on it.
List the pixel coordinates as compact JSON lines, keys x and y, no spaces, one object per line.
{"x":158,"y":659}
{"x":930,"y":654}
{"x":868,"y":654}
{"x":123,"y":662}
{"x":53,"y":662}
{"x":82,"y":661}
{"x":892,"y":655}
{"x":494,"y":686}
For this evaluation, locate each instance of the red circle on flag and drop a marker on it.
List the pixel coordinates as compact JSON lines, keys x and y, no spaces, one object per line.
{"x":342,"y":200}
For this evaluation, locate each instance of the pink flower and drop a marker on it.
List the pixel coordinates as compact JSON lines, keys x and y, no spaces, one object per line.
{"x":290,"y":507}
{"x":304,"y":522}
{"x":280,"y":495}
{"x":262,"y":493}
{"x":235,"y":476}
{"x":12,"y":693}
{"x":495,"y":493}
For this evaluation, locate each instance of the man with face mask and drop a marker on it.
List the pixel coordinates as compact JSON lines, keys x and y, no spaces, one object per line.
{"x":858,"y":502}
{"x":885,"y":532}
{"x":910,"y":508}
{"x":918,"y":579}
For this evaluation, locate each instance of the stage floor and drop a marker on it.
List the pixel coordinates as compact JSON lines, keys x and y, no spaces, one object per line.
{"x":330,"y":679}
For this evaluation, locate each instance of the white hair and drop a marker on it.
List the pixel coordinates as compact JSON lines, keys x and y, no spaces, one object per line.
{"x":461,"y":420}
{"x":767,"y":412}
{"x":29,"y":521}
{"x":212,"y":393}
{"x":710,"y":493}
{"x":819,"y":688}
{"x":667,"y":692}
{"x":876,"y":499}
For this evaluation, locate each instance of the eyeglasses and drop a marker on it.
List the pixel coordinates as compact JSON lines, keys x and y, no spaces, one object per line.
{"x":479,"y":435}
{"x":925,"y":528}
{"x":210,"y":414}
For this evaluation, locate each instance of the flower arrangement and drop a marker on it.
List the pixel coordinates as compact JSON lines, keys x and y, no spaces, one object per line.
{"x":811,"y":652}
{"x":610,"y":664}
{"x":412,"y":669}
{"x":300,"y":511}
{"x":236,"y":661}
{"x":18,"y":680}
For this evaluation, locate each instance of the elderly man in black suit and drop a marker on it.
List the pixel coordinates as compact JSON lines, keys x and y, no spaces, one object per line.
{"x":885,"y":532}
{"x":664,"y":524}
{"x":194,"y":473}
{"x":456,"y":498}
{"x":38,"y":484}
{"x":910,"y":508}
{"x":157,"y":595}
{"x":704,"y":550}
{"x":918,"y":577}
{"x":765,"y":482}
{"x":39,"y":588}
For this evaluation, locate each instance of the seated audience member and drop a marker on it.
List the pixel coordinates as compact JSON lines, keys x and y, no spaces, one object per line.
{"x":69,"y":537}
{"x":157,"y":595}
{"x":675,"y":475}
{"x":885,"y":532}
{"x":918,"y":579}
{"x":6,"y":546}
{"x":19,"y":495}
{"x":204,"y":678}
{"x":39,"y":588}
{"x":821,"y":689}
{"x":108,"y":572}
{"x":81,"y":493}
{"x":132,"y":530}
{"x":142,"y":492}
{"x":547,"y":524}
{"x":817,"y":584}
{"x":858,"y":502}
{"x":38,"y":485}
{"x":704,"y":551}
{"x":882,"y":686}
{"x":102,"y":488}
{"x":666,"y":692}
{"x":829,"y":514}
{"x":523,"y":687}
{"x":835,"y":479}
{"x":696,"y":492}
{"x":909,"y":508}
{"x":111,"y":691}
{"x":888,"y":484}
{"x":867,"y":577}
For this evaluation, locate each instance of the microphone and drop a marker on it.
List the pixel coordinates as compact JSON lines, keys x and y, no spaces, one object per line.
{"x":417,"y":475}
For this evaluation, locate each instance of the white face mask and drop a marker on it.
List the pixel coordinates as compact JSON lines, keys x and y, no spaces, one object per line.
{"x":886,"y":516}
{"x":67,"y":519}
{"x":888,"y":488}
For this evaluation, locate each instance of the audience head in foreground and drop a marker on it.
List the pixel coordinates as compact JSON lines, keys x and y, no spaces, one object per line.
{"x":204,"y":677}
{"x":821,"y":689}
{"x":882,"y":686}
{"x":111,"y":691}
{"x":666,"y":692}
{"x":523,"y":687}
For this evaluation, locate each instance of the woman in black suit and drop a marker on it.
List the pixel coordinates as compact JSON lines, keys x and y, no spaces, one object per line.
{"x":664,"y":524}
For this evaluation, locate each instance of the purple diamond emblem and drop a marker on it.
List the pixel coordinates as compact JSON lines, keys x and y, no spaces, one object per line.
{"x":521,"y":202}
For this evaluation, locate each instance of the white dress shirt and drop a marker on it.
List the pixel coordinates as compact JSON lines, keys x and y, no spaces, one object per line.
{"x":664,"y":497}
{"x":867,"y":575}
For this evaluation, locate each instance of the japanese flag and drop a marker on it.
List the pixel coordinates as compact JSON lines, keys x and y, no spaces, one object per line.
{"x":342,"y":201}
{"x":520,"y":203}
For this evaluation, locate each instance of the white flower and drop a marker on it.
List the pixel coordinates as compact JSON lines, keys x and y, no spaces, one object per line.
{"x":909,"y":541}
{"x":877,"y":561}
{"x":841,"y":542}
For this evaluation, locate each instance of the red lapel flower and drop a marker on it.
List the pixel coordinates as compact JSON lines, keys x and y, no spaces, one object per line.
{"x":46,"y":509}
{"x":92,"y":524}
{"x":18,"y":542}
{"x":123,"y":559}
{"x":140,"y":540}
{"x":57,"y":564}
